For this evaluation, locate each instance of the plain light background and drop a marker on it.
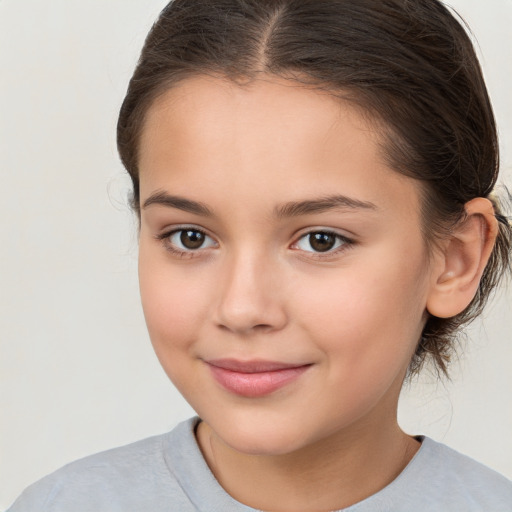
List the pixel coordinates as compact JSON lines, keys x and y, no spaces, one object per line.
{"x":77,"y":372}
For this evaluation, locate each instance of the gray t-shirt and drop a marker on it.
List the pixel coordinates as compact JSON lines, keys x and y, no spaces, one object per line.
{"x":168,"y":473}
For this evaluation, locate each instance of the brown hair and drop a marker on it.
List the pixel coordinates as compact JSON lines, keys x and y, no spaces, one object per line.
{"x":408,"y":63}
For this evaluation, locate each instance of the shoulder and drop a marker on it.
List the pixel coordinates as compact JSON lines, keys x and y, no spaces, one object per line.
{"x":443,"y":479}
{"x":462,"y":469}
{"x":131,"y":477}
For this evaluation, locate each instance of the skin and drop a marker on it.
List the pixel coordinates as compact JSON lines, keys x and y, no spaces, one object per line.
{"x":257,"y":289}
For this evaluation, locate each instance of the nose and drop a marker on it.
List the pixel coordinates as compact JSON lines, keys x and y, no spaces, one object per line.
{"x":250,"y":296}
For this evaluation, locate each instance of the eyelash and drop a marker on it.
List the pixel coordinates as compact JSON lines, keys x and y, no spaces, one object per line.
{"x":165,"y":238}
{"x":343,"y":242}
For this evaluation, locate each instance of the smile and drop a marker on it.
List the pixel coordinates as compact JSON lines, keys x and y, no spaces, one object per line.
{"x":253,"y":379}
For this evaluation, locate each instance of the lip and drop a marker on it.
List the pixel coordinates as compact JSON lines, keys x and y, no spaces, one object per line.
{"x":257,"y":378}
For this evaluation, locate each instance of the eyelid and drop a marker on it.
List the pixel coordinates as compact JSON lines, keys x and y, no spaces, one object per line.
{"x":165,"y":235}
{"x":346,"y":242}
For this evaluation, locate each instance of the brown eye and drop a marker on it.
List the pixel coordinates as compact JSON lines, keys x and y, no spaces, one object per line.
{"x":192,"y":239}
{"x":187,"y":240}
{"x":322,"y":242}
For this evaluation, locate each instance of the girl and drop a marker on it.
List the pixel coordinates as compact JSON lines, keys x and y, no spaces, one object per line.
{"x":314,"y":182}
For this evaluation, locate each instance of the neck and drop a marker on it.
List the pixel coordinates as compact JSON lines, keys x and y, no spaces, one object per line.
{"x":331,"y":474}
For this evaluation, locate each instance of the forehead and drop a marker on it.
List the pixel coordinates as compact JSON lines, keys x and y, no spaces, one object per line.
{"x":215,"y":112}
{"x":262,"y":140}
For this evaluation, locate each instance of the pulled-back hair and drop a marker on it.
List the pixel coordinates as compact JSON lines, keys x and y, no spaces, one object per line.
{"x":408,"y":64}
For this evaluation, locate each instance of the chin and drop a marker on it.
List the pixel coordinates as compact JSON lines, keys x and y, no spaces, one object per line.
{"x":260,"y":435}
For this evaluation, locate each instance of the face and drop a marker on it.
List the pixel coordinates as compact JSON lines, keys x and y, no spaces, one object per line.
{"x":282,"y":268}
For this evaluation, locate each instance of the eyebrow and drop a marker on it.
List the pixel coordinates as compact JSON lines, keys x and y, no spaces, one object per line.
{"x":290,"y":209}
{"x":180,"y":203}
{"x":297,"y":208}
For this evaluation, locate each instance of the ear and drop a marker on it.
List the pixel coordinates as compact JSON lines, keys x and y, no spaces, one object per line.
{"x":460,"y":265}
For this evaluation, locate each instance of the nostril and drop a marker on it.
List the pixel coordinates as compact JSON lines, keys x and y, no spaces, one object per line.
{"x":262,"y":327}
{"x":245,"y":329}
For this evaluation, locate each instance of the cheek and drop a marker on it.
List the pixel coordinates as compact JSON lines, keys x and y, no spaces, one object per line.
{"x":174,"y":309}
{"x":173,"y":303}
{"x":366,"y":314}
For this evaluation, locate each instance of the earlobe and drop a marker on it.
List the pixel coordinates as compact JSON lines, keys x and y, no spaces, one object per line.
{"x":461,"y":263}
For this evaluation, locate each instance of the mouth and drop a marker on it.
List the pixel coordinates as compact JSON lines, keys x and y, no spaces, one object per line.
{"x":253,"y":379}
